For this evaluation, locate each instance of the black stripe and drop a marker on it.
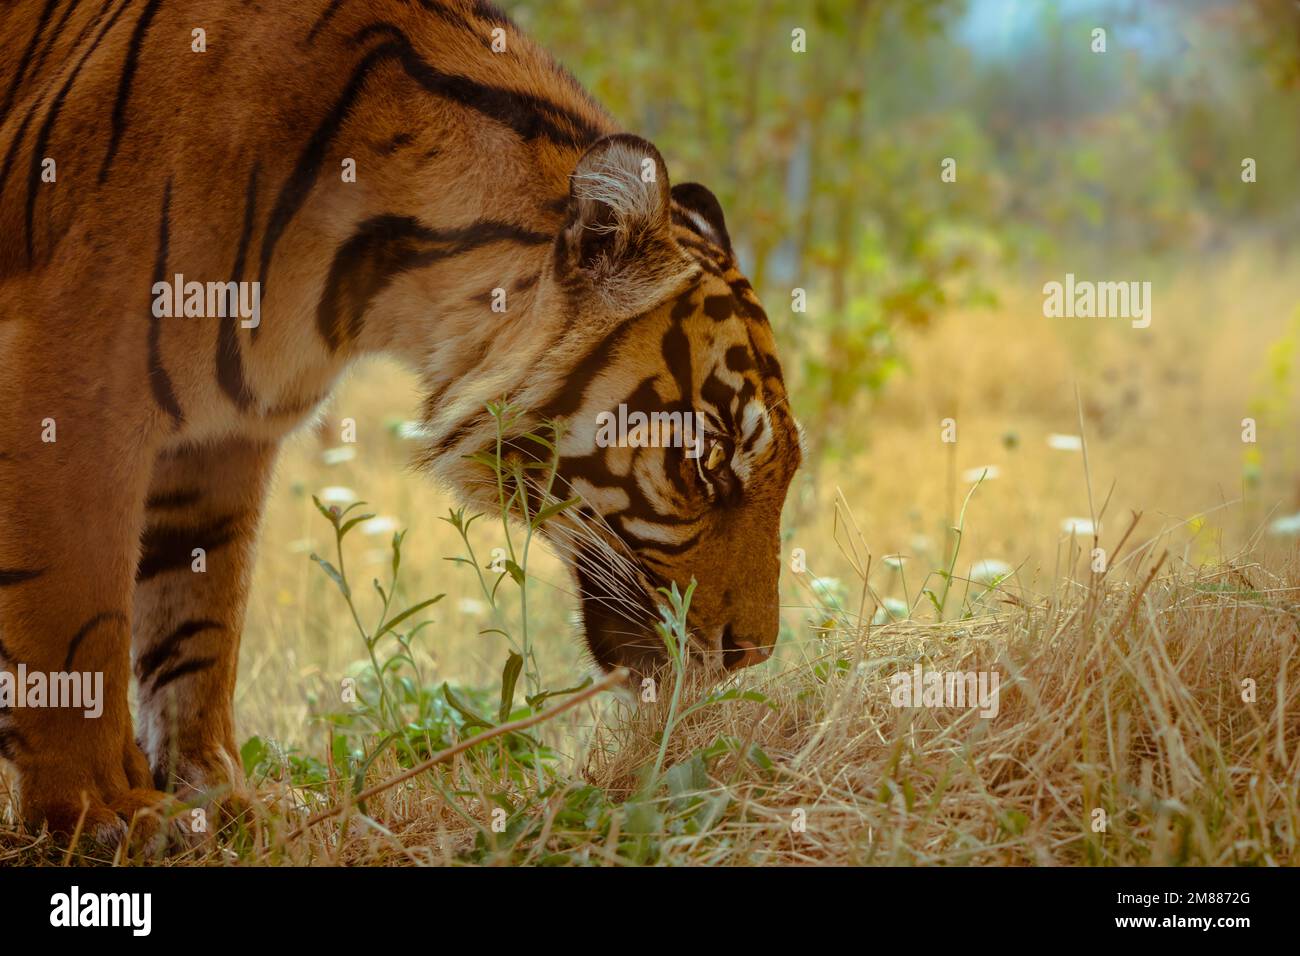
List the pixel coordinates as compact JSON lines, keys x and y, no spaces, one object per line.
{"x":165,"y":649}
{"x":182,"y":498}
{"x":323,"y":19}
{"x":294,"y":192}
{"x":556,"y":206}
{"x":657,"y":566}
{"x":464,"y":369}
{"x":124,"y":84}
{"x":11,"y":741}
{"x":719,"y":307}
{"x":383,"y":248}
{"x":707,"y":264}
{"x":51,"y":117}
{"x":91,"y":24}
{"x":594,"y":469}
{"x":294,"y":407}
{"x":768,"y":366}
{"x":169,"y":549}
{"x":520,"y":285}
{"x":568,"y":398}
{"x":397,"y":142}
{"x":184,"y":450}
{"x":529,"y":116}
{"x":649,"y":544}
{"x":454,"y":17}
{"x":14,"y":145}
{"x":708,"y":256}
{"x":491,"y":13}
{"x":230,"y":360}
{"x":743,"y":292}
{"x":19,"y":575}
{"x":53,"y":37}
{"x":182,"y":670}
{"x":5,"y":653}
{"x":699,"y":245}
{"x":722,"y":397}
{"x":675,"y":348}
{"x":740,"y":287}
{"x":46,"y":13}
{"x":684,"y":307}
{"x":738,"y":359}
{"x":611,"y":638}
{"x":85,"y":629}
{"x":574,"y":283}
{"x":484,"y":11}
{"x":458,"y":434}
{"x":159,"y":380}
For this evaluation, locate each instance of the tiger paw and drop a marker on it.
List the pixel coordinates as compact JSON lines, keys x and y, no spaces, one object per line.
{"x":90,"y":820}
{"x":211,"y":781}
{"x":157,"y":822}
{"x":147,"y":820}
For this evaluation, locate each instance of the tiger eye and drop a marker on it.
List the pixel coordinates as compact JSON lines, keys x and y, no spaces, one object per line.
{"x":716,"y":454}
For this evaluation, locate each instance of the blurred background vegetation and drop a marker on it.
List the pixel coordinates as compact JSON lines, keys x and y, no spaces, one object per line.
{"x":828,"y":163}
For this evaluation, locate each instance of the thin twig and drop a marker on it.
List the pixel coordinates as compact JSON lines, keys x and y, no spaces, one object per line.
{"x":1137,"y":595}
{"x":1087,"y":472}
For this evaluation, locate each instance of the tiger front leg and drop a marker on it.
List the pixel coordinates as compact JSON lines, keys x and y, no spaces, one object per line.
{"x":69,"y":525}
{"x":196,"y":561}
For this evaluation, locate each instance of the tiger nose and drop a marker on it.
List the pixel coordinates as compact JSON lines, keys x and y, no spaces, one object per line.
{"x":738,"y":652}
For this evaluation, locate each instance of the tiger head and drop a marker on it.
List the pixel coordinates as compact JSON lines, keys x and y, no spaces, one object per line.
{"x":676,"y":441}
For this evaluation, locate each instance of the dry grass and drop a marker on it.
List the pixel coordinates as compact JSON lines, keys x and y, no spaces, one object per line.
{"x":1127,"y":699}
{"x":1123,"y":693}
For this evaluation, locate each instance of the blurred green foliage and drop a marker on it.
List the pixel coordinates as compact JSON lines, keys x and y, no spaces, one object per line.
{"x":828,"y":162}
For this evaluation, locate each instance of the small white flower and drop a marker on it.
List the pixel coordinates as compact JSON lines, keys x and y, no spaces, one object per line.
{"x":336,"y":456}
{"x":894,"y":561}
{"x":891,"y":609}
{"x":1288,"y":525}
{"x":1065,"y":442}
{"x":984,"y":472}
{"x":989,"y":571}
{"x":830,"y":591}
{"x":382,"y":524}
{"x":471,"y":607}
{"x":1079,"y":526}
{"x":337,"y":495}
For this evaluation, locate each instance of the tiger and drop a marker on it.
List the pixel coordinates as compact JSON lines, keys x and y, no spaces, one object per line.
{"x":413,"y":179}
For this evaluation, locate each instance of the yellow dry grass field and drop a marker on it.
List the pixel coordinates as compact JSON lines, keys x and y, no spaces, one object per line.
{"x":1149,"y":705}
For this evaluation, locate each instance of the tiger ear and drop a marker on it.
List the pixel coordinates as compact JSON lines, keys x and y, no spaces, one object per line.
{"x":704,"y":213}
{"x":619,"y":235}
